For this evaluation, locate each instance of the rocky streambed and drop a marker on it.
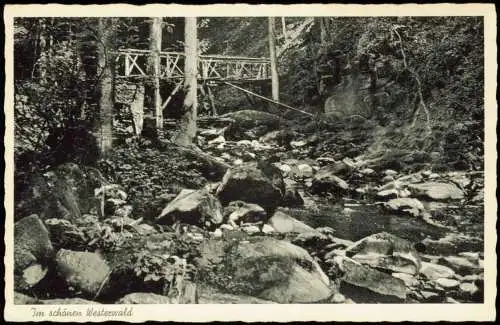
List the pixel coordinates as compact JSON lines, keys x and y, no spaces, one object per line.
{"x":279,"y":227}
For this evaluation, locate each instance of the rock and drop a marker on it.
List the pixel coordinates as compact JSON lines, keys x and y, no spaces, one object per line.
{"x":248,"y":119}
{"x":453,"y":243}
{"x":270,"y":136}
{"x":430,"y":296}
{"x":267,"y":229}
{"x":251,"y":229}
{"x":68,"y":301}
{"x":220,"y":139}
{"x":461,"y":265}
{"x":468,"y":288}
{"x":209,"y":295}
{"x":435,"y":271}
{"x":238,"y":212}
{"x":450,"y":300}
{"x":408,"y":205}
{"x":446,"y":283}
{"x":193,"y":207}
{"x":304,"y":171}
{"x":386,"y":251}
{"x":84,"y":271}
{"x":143,"y":298}
{"x":285,"y":169}
{"x":313,"y":240}
{"x":326,"y":181}
{"x":367,"y":171}
{"x":64,"y":234}
{"x":261,"y":184}
{"x":338,"y":298}
{"x":292,"y":198}
{"x":217,"y":233}
{"x":64,"y":192}
{"x":408,"y":279}
{"x":390,"y":172}
{"x":298,"y":143}
{"x":212,"y":133}
{"x":434,"y":176}
{"x":283,"y":223}
{"x":226,"y":227}
{"x":22,"y":299}
{"x":33,"y":252}
{"x":266,"y":268}
{"x":437,"y":191}
{"x":364,"y":284}
{"x":387,"y":179}
{"x":471,"y":256}
{"x":145,"y":229}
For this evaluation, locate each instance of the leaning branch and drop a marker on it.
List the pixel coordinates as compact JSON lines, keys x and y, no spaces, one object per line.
{"x":419,"y":84}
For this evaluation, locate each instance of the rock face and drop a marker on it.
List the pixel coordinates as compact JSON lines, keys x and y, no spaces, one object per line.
{"x":386,"y":251}
{"x":266,"y":268}
{"x":33,"y":251}
{"x":437,"y":191}
{"x":283,"y":223}
{"x":252,"y":184}
{"x":65,"y":192}
{"x":84,"y":271}
{"x":193,"y":207}
{"x":366,"y":285}
{"x":248,"y":119}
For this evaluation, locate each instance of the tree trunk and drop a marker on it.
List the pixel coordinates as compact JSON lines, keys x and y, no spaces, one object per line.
{"x":188,"y":122}
{"x":106,"y":98}
{"x":323,"y":23}
{"x":274,"y":66}
{"x":155,"y":36}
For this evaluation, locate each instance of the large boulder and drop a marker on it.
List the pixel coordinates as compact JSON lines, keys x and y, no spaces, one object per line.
{"x":33,"y":252}
{"x":437,"y":191}
{"x":247,"y":119}
{"x":252,"y":183}
{"x":386,"y":251}
{"x":65,"y":192}
{"x":84,"y":271}
{"x":364,"y":284}
{"x":64,"y":234}
{"x":283,"y":223}
{"x":265,"y":268}
{"x":193,"y":207}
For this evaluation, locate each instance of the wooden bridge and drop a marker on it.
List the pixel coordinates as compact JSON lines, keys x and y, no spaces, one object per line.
{"x":132,"y":63}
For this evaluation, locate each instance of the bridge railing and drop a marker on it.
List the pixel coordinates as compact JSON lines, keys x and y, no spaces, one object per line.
{"x":133,"y":63}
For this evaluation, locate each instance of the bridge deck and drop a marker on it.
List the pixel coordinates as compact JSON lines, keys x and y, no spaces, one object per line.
{"x":132,"y":63}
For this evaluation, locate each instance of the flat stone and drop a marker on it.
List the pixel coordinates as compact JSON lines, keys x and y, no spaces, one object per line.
{"x":468,"y":288}
{"x":408,"y":279}
{"x":437,"y":191}
{"x":461,"y":265}
{"x":435,"y":271}
{"x":447,"y":283}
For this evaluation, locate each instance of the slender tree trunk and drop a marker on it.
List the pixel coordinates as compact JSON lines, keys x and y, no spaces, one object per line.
{"x":283,"y":26}
{"x":42,"y":61}
{"x":274,"y":66}
{"x":188,"y":123}
{"x":155,"y":37}
{"x":106,"y":101}
{"x":323,"y":23}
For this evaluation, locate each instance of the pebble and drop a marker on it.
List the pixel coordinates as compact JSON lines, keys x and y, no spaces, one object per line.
{"x":450,"y":300}
{"x":217,"y":233}
{"x":338,"y":298}
{"x":447,"y":283}
{"x":390,"y":172}
{"x":251,"y":229}
{"x":267,"y":229}
{"x":428,"y":294}
{"x":226,"y":227}
{"x":468,"y":288}
{"x":435,"y":271}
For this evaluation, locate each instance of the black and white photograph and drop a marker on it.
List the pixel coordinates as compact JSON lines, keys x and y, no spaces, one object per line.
{"x":161,"y":158}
